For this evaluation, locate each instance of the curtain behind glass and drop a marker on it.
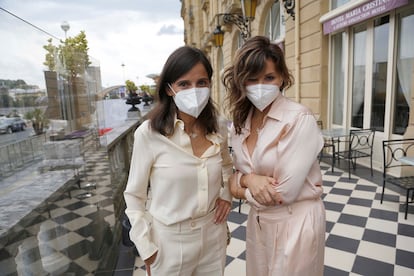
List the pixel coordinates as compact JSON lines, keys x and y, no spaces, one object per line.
{"x":358,"y":84}
{"x":379,"y":74}
{"x":337,"y":3}
{"x":275,"y":25}
{"x":338,"y":41}
{"x":405,"y":72}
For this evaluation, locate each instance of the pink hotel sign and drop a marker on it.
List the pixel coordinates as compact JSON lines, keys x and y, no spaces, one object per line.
{"x":361,"y":13}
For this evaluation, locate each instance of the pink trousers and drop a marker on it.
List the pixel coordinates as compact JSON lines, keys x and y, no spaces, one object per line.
{"x":289,"y":240}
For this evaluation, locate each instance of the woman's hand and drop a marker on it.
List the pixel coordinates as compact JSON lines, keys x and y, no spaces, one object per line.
{"x":262,"y":189}
{"x":222,"y":210}
{"x":235,"y":189}
{"x":148,"y":262}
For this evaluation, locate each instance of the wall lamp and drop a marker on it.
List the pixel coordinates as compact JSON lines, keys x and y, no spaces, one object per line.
{"x":242,"y":21}
{"x":290,"y":7}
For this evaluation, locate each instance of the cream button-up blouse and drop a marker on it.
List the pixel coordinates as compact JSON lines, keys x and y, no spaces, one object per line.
{"x":183,"y":186}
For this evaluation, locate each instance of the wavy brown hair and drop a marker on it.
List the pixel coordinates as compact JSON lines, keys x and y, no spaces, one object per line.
{"x":249,"y":61}
{"x":164,"y":113}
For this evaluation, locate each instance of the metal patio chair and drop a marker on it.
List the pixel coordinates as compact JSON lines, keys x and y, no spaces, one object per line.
{"x":397,"y":172}
{"x":359,"y":145}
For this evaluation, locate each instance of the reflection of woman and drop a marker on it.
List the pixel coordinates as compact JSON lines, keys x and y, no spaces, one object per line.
{"x":28,"y":264}
{"x":51,"y":246}
{"x":275,"y":146}
{"x":179,"y":151}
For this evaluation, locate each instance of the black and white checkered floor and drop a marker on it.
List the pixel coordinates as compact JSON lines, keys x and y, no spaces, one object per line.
{"x":363,"y":237}
{"x":72,"y":239}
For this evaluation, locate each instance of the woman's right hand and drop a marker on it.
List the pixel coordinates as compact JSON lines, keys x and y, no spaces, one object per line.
{"x":148,"y":262}
{"x":262,"y":189}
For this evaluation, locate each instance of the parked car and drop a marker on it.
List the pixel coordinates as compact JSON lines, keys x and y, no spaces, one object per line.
{"x":13,"y":124}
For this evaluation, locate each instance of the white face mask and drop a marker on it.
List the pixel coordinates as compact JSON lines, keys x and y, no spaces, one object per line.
{"x":192,"y":101}
{"x":261,"y":95}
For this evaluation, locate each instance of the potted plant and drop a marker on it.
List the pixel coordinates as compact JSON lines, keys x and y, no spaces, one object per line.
{"x":133,"y":98}
{"x":38,"y":119}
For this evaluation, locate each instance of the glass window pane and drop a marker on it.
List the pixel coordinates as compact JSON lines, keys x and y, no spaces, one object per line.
{"x":379,"y":74}
{"x":337,"y":3}
{"x":275,"y":23}
{"x":405,"y":72}
{"x":338,"y":41}
{"x":222,"y":90}
{"x":358,"y":83}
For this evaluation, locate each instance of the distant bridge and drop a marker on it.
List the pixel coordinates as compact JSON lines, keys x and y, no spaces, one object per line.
{"x":101,"y":95}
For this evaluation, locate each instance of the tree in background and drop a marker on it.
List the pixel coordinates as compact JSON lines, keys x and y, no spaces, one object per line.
{"x":145,"y":88}
{"x":133,"y":98}
{"x":6,"y":101}
{"x":66,"y":81}
{"x":72,"y":54}
{"x":38,"y":119}
{"x":131,"y":87}
{"x":22,"y":100}
{"x":12,"y":84}
{"x":146,"y":95}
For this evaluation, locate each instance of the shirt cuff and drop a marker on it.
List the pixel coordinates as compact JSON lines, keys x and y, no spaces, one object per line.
{"x":146,"y":248}
{"x":226,"y":195}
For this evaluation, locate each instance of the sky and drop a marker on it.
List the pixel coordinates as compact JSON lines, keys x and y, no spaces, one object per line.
{"x":140,"y":34}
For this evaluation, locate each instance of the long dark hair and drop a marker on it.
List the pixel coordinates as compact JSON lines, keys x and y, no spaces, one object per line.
{"x":249,"y":61}
{"x":179,"y":63}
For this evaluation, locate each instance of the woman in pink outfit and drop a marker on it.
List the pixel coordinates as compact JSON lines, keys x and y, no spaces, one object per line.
{"x":276,"y":142}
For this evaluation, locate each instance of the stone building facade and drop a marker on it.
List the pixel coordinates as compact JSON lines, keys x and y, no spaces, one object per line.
{"x":351,"y":60}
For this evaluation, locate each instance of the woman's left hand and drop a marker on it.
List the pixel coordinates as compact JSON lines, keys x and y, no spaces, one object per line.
{"x":222,"y":210}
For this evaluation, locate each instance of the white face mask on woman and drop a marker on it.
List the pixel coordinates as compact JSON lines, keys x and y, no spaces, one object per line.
{"x":261,"y":95}
{"x":192,"y":101}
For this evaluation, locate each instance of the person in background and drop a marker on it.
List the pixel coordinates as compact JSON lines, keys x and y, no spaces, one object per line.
{"x":180,"y":152}
{"x":275,"y":144}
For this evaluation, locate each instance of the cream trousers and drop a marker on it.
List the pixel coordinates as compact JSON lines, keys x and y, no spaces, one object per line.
{"x":190,"y":248}
{"x":287,"y":241}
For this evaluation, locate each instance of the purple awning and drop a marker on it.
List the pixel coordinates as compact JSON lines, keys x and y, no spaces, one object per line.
{"x":361,"y":13}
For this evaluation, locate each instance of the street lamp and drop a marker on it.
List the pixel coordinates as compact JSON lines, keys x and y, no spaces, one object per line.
{"x":218,"y":36}
{"x":65,"y":27}
{"x":123,"y":71}
{"x":242,"y":21}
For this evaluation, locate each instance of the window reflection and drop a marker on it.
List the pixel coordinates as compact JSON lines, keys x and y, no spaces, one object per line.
{"x":404,"y":73}
{"x":379,"y":73}
{"x":358,"y":83}
{"x":275,"y":23}
{"x":337,"y":3}
{"x":338,"y":78}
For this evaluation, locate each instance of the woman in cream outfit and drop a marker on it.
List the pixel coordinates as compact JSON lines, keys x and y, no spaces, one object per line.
{"x":182,"y":154}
